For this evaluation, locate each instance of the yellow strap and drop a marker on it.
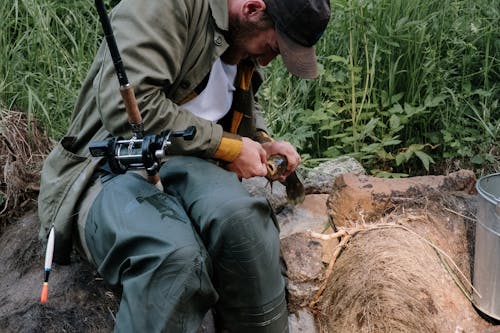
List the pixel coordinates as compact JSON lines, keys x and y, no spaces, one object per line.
{"x":262,"y":137}
{"x":245,"y":80}
{"x":235,"y":123}
{"x":246,"y":77}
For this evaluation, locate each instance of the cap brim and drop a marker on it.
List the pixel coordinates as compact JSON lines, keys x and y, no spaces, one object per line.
{"x":299,"y":60}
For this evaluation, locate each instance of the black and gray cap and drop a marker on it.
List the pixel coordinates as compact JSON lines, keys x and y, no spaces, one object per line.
{"x":299,"y":25}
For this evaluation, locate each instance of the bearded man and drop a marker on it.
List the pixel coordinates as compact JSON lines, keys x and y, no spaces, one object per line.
{"x":202,"y":241}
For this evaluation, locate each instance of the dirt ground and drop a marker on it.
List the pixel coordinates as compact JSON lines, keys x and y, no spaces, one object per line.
{"x":79,"y":301}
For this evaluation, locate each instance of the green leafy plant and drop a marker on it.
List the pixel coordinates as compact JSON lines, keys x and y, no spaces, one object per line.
{"x":404,"y":87}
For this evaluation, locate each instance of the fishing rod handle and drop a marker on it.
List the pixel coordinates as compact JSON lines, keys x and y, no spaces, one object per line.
{"x":134,"y":116}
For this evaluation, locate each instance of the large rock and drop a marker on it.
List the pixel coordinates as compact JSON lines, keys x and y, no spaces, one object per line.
{"x":390,"y":280}
{"x":274,"y":192}
{"x":359,"y":198}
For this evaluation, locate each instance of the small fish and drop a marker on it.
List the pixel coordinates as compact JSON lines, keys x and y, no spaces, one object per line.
{"x":276,"y":167}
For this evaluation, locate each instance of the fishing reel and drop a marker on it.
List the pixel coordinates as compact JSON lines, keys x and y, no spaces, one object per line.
{"x":146,"y":153}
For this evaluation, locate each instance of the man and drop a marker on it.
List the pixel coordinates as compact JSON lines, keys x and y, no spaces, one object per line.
{"x":202,"y":241}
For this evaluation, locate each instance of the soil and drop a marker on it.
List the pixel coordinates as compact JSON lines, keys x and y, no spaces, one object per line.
{"x":79,"y":301}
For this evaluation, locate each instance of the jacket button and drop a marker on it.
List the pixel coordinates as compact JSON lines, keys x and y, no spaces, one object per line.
{"x":218,"y":41}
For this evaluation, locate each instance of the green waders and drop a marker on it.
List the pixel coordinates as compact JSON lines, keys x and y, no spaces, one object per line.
{"x":204,"y":242}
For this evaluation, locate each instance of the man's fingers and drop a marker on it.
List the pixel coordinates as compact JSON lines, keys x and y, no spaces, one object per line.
{"x":251,"y":162}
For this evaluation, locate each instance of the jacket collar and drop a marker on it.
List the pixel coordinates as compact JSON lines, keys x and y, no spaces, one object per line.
{"x":220,"y":13}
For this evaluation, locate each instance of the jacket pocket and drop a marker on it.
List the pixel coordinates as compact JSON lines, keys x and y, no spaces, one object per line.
{"x":64,"y":177}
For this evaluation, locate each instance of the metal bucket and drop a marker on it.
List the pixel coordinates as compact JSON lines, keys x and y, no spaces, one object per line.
{"x":487,"y":247}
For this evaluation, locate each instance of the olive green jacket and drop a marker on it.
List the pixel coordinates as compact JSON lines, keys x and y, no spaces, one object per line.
{"x":167,"y":47}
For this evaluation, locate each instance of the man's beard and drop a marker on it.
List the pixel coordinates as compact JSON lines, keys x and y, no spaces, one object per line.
{"x":238,"y":35}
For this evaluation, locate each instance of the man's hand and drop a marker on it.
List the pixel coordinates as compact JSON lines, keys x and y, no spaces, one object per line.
{"x":251,"y":162}
{"x":286,"y":149}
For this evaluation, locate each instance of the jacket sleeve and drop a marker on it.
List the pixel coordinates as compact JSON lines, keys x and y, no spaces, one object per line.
{"x":159,"y":42}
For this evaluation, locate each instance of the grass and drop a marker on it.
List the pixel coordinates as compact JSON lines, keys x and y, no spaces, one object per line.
{"x":46,"y":49}
{"x":405,"y":87}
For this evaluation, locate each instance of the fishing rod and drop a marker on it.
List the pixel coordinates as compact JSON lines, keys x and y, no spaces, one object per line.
{"x":146,"y":153}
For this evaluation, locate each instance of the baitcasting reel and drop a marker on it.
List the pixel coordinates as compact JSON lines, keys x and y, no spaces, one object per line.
{"x":146,"y":153}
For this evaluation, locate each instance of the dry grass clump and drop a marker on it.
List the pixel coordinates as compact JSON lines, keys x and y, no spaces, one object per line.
{"x":407,"y":272}
{"x":23,"y":146}
{"x":386,"y":290}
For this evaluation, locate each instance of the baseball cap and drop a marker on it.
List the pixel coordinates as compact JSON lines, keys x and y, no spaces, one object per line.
{"x":299,"y":25}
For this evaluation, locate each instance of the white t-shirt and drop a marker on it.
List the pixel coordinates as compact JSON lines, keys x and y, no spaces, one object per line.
{"x":215,"y":100}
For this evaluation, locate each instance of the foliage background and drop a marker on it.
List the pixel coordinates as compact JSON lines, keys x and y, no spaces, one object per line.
{"x":406,"y":87}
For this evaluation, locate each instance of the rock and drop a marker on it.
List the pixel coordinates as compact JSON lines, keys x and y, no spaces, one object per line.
{"x":302,"y":321}
{"x":437,"y":208}
{"x":380,"y":274}
{"x":208,"y":324}
{"x":358,"y":198}
{"x":311,"y":214}
{"x":321,"y":178}
{"x":316,"y":181}
{"x":275,"y":192}
{"x":403,"y":269}
{"x":390,"y":280}
{"x":302,"y":256}
{"x":79,"y":301}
